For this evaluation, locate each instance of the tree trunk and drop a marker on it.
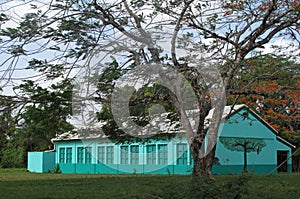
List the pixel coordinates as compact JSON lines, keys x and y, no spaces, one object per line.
{"x":202,"y":163}
{"x":203,"y":166}
{"x":203,"y":160}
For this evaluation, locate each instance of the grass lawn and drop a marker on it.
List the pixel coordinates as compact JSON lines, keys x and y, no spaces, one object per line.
{"x":17,"y":183}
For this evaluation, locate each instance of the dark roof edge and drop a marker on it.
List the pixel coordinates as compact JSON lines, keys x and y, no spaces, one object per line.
{"x":285,"y":142}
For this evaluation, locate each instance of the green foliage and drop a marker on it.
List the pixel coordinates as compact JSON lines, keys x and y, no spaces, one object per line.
{"x":7,"y":124}
{"x":174,"y":190}
{"x":12,"y":156}
{"x":42,"y":115}
{"x":52,"y":70}
{"x":56,"y":169}
{"x":143,"y":103}
{"x":283,"y":69}
{"x":106,"y":80}
{"x":203,"y":187}
{"x":3,"y":17}
{"x":46,"y":117}
{"x":146,"y":97}
{"x":206,"y":188}
{"x":237,"y":187}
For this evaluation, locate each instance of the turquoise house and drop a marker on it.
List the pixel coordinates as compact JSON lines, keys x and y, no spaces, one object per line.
{"x":244,"y":136}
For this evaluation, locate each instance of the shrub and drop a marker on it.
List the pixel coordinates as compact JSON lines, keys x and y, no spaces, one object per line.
{"x":56,"y":169}
{"x":237,"y":188}
{"x":206,"y":188}
{"x":203,"y":187}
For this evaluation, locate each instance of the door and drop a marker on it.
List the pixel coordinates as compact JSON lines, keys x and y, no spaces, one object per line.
{"x":282,"y":160}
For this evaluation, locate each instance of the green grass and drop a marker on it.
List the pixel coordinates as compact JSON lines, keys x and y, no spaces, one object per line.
{"x":17,"y":183}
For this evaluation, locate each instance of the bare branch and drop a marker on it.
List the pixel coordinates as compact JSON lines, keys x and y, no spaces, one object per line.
{"x":176,"y":31}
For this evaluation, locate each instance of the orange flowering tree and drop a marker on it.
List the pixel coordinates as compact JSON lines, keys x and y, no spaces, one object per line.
{"x":270,"y":85}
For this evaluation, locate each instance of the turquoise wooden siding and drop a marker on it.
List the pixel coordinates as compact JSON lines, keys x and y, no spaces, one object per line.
{"x":173,"y":156}
{"x":168,"y":158}
{"x":250,"y":127}
{"x":151,"y":158}
{"x":41,"y":162}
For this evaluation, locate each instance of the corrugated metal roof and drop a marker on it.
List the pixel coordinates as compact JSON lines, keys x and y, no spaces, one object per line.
{"x":164,"y":124}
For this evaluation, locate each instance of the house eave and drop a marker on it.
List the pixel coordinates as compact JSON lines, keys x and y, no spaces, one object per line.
{"x":285,"y":142}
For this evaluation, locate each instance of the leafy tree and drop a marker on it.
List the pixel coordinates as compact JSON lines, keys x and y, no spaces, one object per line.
{"x":245,"y":145}
{"x":45,"y":114}
{"x":42,"y":114}
{"x":12,"y":156}
{"x":7,"y":123}
{"x":205,"y":41}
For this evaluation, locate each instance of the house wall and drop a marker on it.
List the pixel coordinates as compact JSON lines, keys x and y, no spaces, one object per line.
{"x":250,"y":127}
{"x":118,"y":167}
{"x":229,"y":161}
{"x":48,"y":161}
{"x":41,"y":162}
{"x":35,"y":162}
{"x":256,"y":163}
